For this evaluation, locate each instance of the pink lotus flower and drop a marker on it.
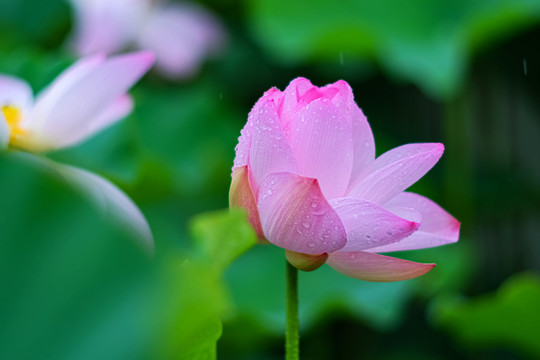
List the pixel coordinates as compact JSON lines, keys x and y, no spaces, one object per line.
{"x":306,"y":172}
{"x":181,"y":35}
{"x":86,"y":98}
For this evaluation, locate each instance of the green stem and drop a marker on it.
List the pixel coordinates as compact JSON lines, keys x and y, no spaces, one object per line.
{"x":292,"y":342}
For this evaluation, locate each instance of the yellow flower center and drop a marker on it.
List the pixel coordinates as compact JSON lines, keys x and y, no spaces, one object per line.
{"x":13,"y":117}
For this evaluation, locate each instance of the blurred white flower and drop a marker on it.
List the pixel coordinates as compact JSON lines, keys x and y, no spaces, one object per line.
{"x":87,"y":97}
{"x":181,"y":35}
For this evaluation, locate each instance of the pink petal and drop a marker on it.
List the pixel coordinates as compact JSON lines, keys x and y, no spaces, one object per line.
{"x":373,"y":267}
{"x":369,"y":225}
{"x":181,"y":36}
{"x":295,"y":215}
{"x":82,"y":95}
{"x":321,"y":140}
{"x":363,"y":142}
{"x":115,"y":112}
{"x":241,"y":196}
{"x":105,"y":26}
{"x":269,"y":151}
{"x":298,"y":94}
{"x":244,"y":141}
{"x":396,"y":170}
{"x":15,"y":92}
{"x":437,"y":227}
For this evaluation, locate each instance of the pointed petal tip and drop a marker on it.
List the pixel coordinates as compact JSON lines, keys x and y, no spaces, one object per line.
{"x":377,"y":268}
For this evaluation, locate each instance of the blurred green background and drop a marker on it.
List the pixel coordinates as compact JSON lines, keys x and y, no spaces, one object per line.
{"x":465,"y":73}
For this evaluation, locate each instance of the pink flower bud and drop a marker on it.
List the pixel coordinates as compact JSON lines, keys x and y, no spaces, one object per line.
{"x":306,"y":172}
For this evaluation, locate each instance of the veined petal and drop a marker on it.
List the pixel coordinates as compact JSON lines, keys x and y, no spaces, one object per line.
{"x":363,"y":142}
{"x":269,"y":152}
{"x":369,"y":225}
{"x":437,"y":227}
{"x":374,"y":267}
{"x":181,"y":36}
{"x":244,"y":141}
{"x":295,"y":215}
{"x":4,"y":132}
{"x":322,"y":143}
{"x":15,"y":92}
{"x":81,"y":95}
{"x":396,"y":170}
{"x":241,"y":195}
{"x":298,"y":94}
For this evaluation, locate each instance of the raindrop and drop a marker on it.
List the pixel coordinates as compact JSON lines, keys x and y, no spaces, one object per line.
{"x":311,"y":244}
{"x":352,"y":256}
{"x":306,"y":224}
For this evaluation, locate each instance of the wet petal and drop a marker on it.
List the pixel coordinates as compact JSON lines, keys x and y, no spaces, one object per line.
{"x":369,"y":225}
{"x":241,"y":195}
{"x":296,"y":95}
{"x":363,"y":142}
{"x":269,"y":152}
{"x":396,"y":170}
{"x":373,"y":267}
{"x":296,"y":216}
{"x":437,"y":226}
{"x":322,"y":143}
{"x":244,"y":141}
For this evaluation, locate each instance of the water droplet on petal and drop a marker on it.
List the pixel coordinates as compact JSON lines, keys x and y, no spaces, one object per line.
{"x":311,"y":244}
{"x":306,"y":224}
